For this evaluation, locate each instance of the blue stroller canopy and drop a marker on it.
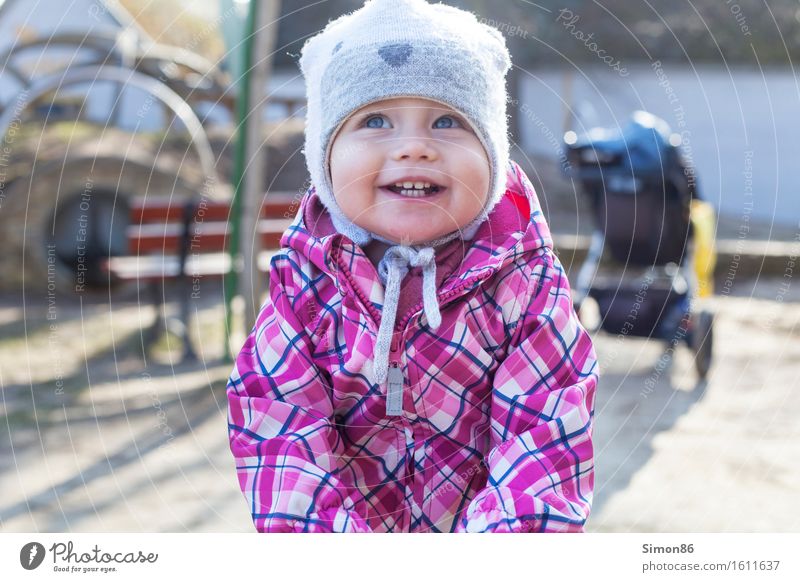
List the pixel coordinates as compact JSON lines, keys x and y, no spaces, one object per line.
{"x":642,"y":147}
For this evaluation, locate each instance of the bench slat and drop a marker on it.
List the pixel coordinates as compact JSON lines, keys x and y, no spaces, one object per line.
{"x":169,"y":209}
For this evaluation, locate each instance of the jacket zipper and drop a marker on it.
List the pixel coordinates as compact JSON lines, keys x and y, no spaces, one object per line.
{"x":395,"y":381}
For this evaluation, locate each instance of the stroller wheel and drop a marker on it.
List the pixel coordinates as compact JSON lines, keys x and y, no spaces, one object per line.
{"x":701,"y":342}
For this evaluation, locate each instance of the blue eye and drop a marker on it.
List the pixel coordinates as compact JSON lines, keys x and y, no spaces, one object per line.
{"x":369,"y":120}
{"x":380,"y":121}
{"x":453,"y":122}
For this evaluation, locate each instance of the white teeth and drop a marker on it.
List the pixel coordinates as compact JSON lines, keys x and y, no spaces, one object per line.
{"x":412,"y":185}
{"x":414,"y":189}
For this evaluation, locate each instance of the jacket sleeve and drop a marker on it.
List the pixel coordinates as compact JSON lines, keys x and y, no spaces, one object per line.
{"x":286,"y":447}
{"x":540,"y":469}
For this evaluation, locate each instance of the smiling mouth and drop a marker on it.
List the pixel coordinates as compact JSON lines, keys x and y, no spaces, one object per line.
{"x":414,"y":190}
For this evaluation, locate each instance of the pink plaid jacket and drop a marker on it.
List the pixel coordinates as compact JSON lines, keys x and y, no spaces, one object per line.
{"x":496,"y":431}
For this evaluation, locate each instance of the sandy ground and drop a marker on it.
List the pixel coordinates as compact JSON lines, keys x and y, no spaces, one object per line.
{"x":94,"y":437}
{"x":719,"y":456}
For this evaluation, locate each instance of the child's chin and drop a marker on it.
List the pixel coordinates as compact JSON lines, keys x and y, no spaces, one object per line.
{"x":412,"y":237}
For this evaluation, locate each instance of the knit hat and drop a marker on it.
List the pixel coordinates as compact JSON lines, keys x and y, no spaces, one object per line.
{"x":405,"y":48}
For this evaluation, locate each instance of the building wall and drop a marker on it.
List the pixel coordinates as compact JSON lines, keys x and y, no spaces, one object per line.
{"x":740,"y":127}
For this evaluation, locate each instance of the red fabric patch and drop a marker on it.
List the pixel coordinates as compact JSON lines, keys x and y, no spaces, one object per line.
{"x":521,"y":202}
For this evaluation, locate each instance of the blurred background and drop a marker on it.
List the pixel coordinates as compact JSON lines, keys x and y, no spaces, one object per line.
{"x":151,"y":159}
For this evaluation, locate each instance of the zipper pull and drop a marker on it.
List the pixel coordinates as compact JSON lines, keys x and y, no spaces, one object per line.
{"x":394,"y":391}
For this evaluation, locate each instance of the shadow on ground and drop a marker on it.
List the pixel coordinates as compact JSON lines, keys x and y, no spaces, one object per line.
{"x":631,"y":410}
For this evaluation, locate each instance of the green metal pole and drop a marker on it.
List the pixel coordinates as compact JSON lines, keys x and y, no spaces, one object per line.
{"x":231,"y":281}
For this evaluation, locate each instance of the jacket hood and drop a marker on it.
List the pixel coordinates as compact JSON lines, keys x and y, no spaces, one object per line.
{"x":515,"y":226}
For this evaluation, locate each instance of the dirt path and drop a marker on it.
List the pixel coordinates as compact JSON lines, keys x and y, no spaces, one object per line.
{"x":106,"y":442}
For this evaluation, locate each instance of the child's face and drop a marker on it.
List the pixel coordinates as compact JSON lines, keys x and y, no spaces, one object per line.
{"x":383,"y":143}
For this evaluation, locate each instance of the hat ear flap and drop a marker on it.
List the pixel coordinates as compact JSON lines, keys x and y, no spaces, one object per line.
{"x":497,"y":49}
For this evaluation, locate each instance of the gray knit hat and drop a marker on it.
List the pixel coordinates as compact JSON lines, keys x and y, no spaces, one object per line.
{"x":405,"y":48}
{"x":398,"y":48}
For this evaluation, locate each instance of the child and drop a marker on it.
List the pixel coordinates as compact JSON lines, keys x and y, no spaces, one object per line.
{"x":418,"y":366}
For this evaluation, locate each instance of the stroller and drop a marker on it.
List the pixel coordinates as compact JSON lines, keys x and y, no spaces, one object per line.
{"x":648,"y":217}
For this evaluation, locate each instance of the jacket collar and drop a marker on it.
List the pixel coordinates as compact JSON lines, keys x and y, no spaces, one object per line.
{"x":515,"y":226}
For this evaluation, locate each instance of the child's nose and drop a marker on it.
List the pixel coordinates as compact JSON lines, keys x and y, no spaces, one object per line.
{"x":415,"y":148}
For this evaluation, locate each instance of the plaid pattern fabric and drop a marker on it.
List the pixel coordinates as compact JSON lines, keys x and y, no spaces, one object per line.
{"x":498,"y":403}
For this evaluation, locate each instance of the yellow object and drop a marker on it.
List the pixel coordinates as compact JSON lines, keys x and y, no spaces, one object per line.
{"x":705,"y":252}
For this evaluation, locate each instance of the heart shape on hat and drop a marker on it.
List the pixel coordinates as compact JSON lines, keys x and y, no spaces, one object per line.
{"x":395,"y":54}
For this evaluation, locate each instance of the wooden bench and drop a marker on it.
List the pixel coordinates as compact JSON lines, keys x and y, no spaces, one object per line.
{"x":184,"y":241}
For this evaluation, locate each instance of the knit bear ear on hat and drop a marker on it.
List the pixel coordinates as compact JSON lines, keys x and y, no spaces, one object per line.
{"x":405,"y":48}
